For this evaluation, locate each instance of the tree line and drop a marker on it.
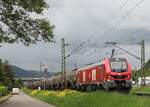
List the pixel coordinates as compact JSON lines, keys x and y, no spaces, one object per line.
{"x":137,"y":73}
{"x":18,"y":25}
{"x":6,"y":74}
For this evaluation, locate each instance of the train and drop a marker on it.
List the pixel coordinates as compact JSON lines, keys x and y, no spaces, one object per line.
{"x":110,"y":73}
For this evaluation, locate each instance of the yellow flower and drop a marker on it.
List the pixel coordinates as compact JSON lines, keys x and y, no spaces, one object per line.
{"x":46,"y":93}
{"x":61,"y":94}
{"x":34,"y":92}
{"x":72,"y":91}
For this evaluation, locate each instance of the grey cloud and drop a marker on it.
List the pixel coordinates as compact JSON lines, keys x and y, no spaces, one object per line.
{"x":76,"y":20}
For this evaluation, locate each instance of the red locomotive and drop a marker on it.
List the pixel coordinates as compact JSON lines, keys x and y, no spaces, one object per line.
{"x":111,"y":73}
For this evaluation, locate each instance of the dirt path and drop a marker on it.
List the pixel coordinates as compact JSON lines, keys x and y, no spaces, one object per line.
{"x":23,"y":100}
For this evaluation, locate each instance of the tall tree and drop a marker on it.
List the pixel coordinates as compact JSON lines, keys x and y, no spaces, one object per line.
{"x":18,"y":25}
{"x":19,"y":82}
{"x":6,"y":74}
{"x":1,"y":72}
{"x":9,"y":74}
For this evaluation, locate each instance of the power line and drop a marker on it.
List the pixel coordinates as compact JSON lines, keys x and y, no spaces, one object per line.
{"x":130,"y":34}
{"x":132,"y":9}
{"x":119,"y":21}
{"x":125,"y":3}
{"x":111,"y":29}
{"x":121,"y":38}
{"x":93,"y":34}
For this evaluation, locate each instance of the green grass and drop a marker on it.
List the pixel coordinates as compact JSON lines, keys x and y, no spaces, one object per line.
{"x":145,"y":89}
{"x":70,"y":98}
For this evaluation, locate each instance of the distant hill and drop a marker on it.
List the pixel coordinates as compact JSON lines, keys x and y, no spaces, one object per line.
{"x":19,"y":72}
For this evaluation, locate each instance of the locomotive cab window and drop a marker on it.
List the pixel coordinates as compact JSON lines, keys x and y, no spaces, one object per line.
{"x":118,"y":65}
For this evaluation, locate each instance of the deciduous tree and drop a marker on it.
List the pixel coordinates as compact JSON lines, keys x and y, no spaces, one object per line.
{"x":17,"y":23}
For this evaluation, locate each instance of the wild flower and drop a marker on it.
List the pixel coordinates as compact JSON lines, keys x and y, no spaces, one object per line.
{"x":61,"y":94}
{"x":35,"y":92}
{"x":46,"y":93}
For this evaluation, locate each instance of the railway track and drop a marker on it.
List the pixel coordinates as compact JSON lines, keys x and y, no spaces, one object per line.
{"x":137,"y":94}
{"x":142,"y":94}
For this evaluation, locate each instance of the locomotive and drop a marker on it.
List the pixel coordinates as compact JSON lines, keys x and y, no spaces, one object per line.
{"x":110,"y":73}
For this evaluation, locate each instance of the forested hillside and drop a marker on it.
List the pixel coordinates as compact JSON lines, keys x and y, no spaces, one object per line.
{"x":19,"y":72}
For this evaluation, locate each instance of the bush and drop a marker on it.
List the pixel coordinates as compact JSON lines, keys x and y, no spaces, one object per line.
{"x":3,"y":91}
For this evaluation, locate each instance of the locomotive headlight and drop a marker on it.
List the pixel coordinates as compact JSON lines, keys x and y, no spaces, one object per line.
{"x":109,"y":76}
{"x":108,"y":80}
{"x":128,"y":76}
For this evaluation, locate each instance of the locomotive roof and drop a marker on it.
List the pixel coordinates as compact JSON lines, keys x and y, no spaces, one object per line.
{"x":90,"y":66}
{"x":99,"y":63}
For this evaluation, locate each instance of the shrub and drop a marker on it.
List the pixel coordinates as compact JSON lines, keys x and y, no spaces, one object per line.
{"x":3,"y":91}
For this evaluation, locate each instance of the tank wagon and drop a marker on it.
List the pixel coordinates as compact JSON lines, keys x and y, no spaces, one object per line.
{"x":110,"y":73}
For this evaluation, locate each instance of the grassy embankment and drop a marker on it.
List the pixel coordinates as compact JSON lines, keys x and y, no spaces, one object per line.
{"x":145,"y":89}
{"x":69,"y":98}
{"x":3,"y":91}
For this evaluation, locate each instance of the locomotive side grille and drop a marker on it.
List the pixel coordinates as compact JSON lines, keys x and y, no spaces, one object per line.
{"x":119,"y":77}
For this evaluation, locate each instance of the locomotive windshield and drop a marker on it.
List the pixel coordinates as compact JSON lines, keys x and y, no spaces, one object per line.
{"x":118,"y":65}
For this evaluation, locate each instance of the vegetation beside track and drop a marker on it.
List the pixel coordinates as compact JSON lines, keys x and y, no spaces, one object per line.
{"x":3,"y":91}
{"x":70,"y":98}
{"x":145,"y":89}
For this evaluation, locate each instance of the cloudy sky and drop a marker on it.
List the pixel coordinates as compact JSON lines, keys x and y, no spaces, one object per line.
{"x":93,"y":22}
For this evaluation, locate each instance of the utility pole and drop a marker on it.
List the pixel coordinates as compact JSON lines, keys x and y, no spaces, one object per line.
{"x":41,"y":71}
{"x":32,"y":82}
{"x":45,"y":77}
{"x":63,"y":63}
{"x":136,"y":76}
{"x":142,"y":62}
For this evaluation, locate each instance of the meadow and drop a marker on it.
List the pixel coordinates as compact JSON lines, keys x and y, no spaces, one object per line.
{"x":71,"y":98}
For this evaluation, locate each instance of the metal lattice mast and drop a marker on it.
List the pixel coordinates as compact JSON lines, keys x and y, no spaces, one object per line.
{"x":142,"y":62}
{"x":63,"y":63}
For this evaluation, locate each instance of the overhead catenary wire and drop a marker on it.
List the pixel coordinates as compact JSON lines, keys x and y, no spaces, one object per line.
{"x":94,"y":33}
{"x":124,"y":4}
{"x":132,"y":33}
{"x":121,"y":19}
{"x":110,"y":29}
{"x":117,"y":23}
